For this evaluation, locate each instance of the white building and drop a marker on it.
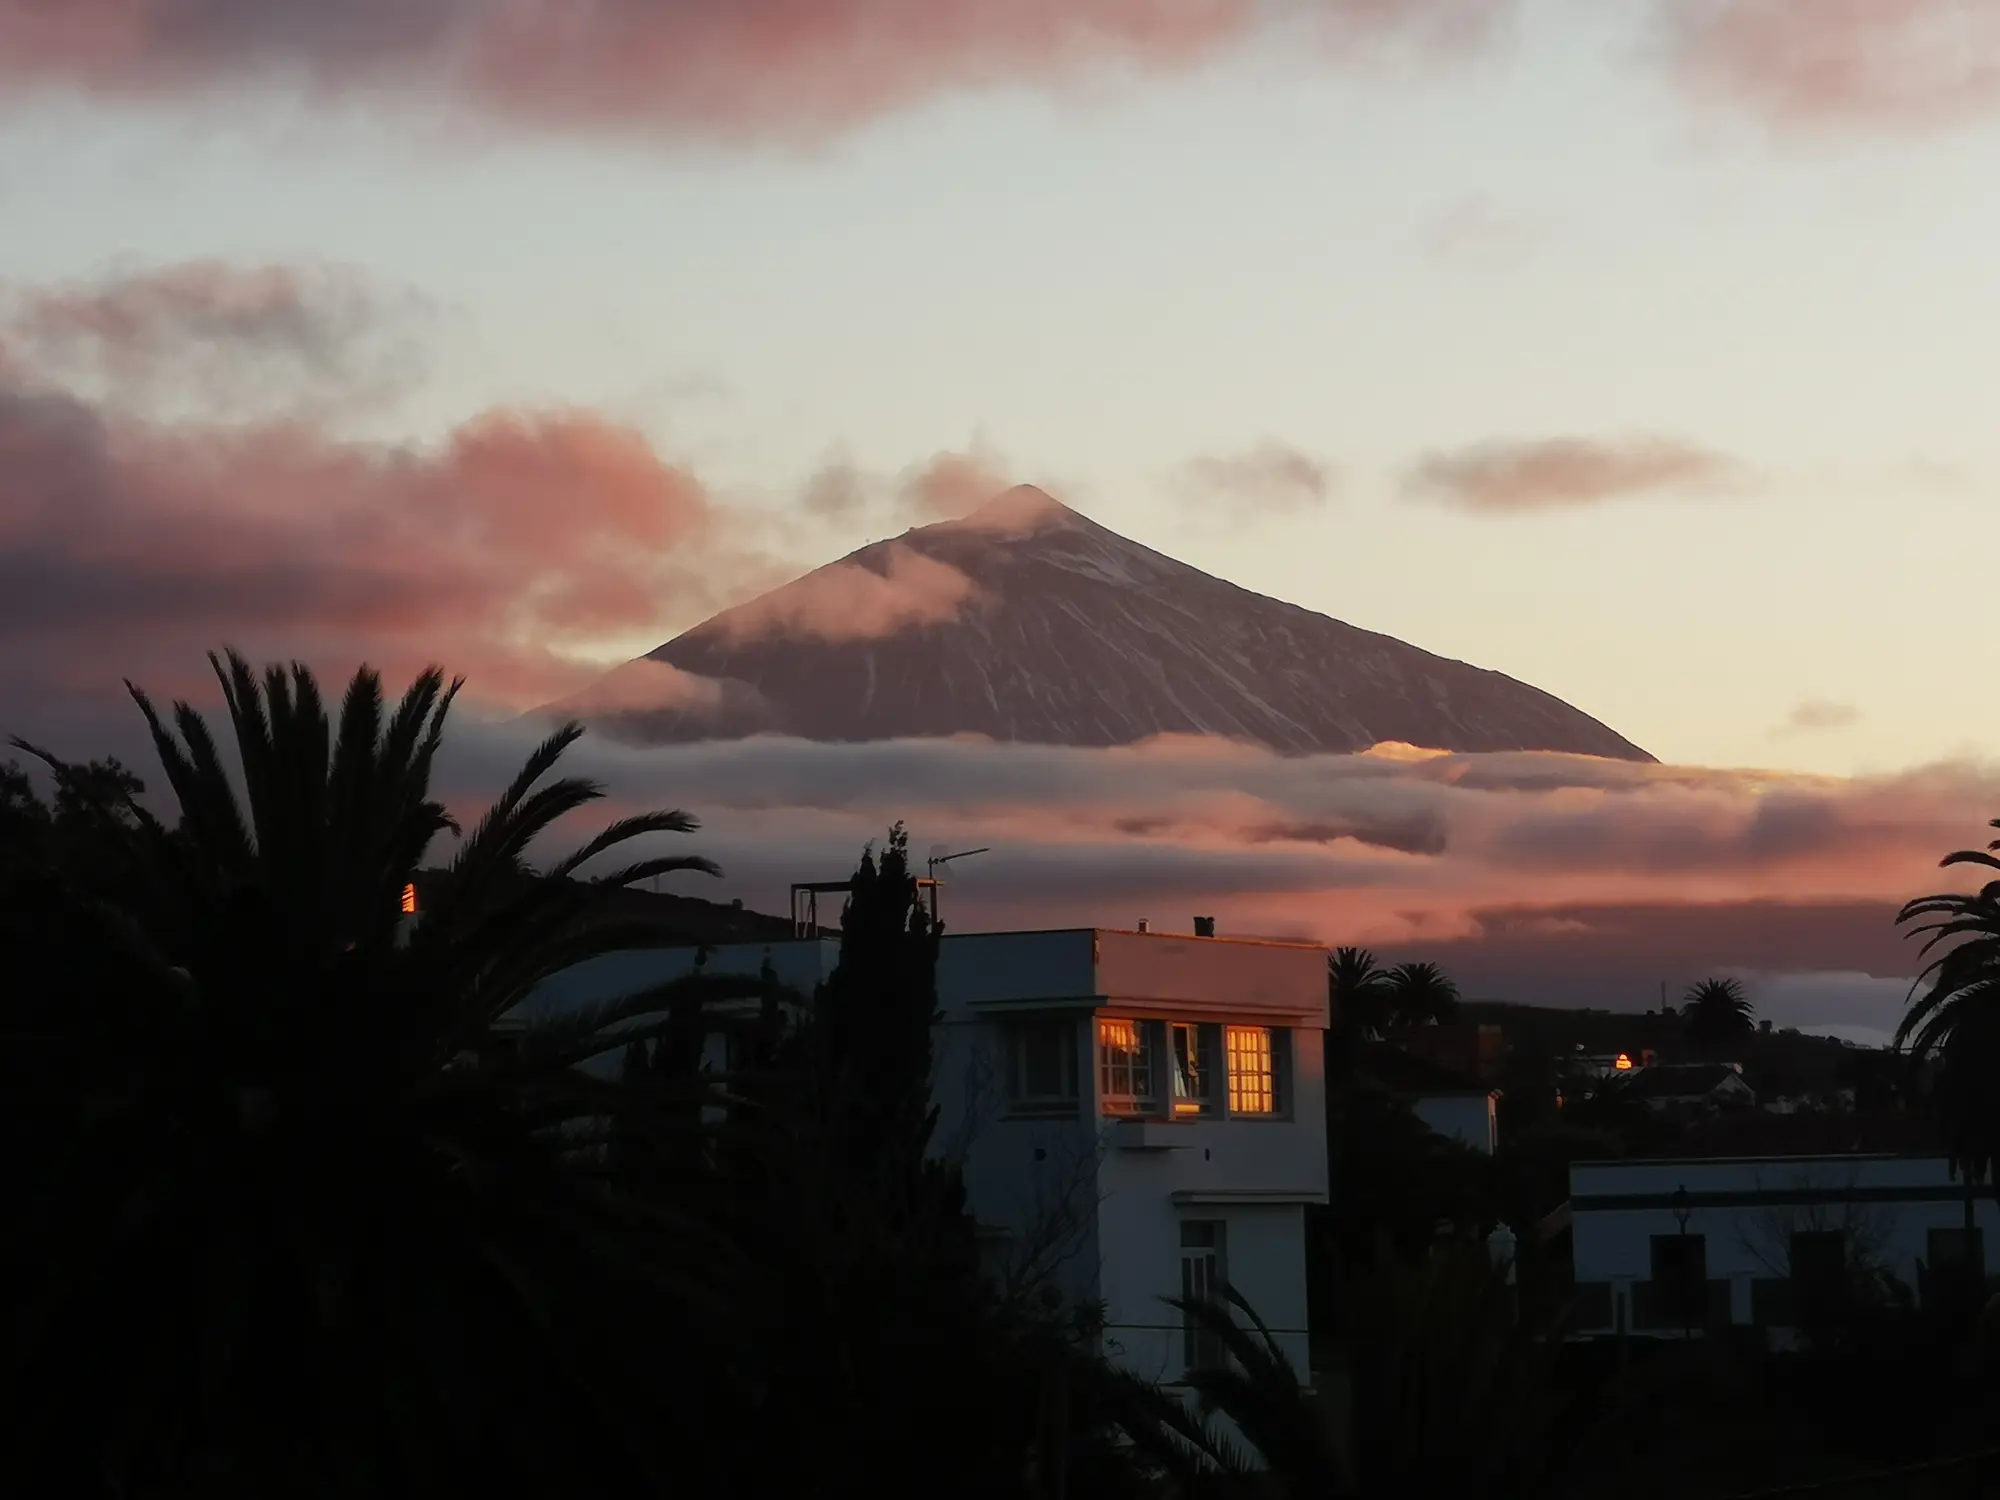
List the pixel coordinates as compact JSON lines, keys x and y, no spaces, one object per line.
{"x":1139,"y":1114}
{"x":1754,"y":1232}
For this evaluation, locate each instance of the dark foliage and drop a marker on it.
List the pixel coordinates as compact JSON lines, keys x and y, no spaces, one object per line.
{"x":290,"y":1225}
{"x":1420,"y":994}
{"x":1717,"y":1013}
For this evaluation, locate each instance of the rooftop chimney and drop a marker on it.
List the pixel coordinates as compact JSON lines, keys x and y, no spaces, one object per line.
{"x":1204,"y":927}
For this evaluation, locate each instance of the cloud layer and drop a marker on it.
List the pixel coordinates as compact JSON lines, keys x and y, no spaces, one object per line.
{"x":1562,"y":473}
{"x":1842,"y":63}
{"x":205,"y":336}
{"x":785,"y":68}
{"x":132,"y":542}
{"x":796,"y":69}
{"x":1533,"y":876}
{"x":846,"y":601}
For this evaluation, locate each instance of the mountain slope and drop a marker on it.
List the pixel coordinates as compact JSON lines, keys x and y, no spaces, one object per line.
{"x":1028,"y":622}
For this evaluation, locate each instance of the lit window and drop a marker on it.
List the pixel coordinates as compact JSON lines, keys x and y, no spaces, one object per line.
{"x":1125,"y":1075}
{"x":1192,"y":1055}
{"x":1041,"y":1067}
{"x":1253,"y":1076}
{"x":410,"y":899}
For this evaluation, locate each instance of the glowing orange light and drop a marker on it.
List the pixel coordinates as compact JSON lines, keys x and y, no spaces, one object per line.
{"x":1122,"y":1036}
{"x":410,"y":899}
{"x":1624,"y":1063}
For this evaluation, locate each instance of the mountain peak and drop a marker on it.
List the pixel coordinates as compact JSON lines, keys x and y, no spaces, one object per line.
{"x":1020,"y":511}
{"x":1066,"y":633}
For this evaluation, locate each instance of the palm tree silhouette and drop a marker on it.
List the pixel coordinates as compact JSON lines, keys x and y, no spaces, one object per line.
{"x":1358,"y":997}
{"x":1955,"y":1024}
{"x":1717,"y":1012}
{"x":1420,"y":994}
{"x":299,"y":1225}
{"x":1450,"y":1393}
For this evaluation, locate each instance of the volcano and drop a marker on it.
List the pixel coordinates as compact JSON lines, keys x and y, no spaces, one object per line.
{"x":1028,"y":622}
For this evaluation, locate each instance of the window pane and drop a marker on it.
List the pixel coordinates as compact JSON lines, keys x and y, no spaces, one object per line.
{"x":1126,"y":1065}
{"x":1042,"y":1061}
{"x":1250,"y":1075}
{"x":1193,"y":1063}
{"x":1202,"y":1279}
{"x":1041,"y":1064}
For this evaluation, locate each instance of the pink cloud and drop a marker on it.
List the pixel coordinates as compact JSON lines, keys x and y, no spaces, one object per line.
{"x":228,"y":338}
{"x":744,"y":67}
{"x":949,"y":485}
{"x":1268,"y":478}
{"x":849,"y":601}
{"x":130,"y":548}
{"x":1557,"y":473}
{"x":1903,"y":63}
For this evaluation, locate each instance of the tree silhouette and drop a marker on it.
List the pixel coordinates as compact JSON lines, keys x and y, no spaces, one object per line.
{"x":1358,"y":990}
{"x":1954,"y":1025}
{"x":295,"y":1225}
{"x":1717,"y":1012}
{"x":1420,"y":994}
{"x":873,"y":1018}
{"x":1451,"y":1393}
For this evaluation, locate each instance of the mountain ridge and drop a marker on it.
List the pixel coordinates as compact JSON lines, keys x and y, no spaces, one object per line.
{"x":1026,"y":621}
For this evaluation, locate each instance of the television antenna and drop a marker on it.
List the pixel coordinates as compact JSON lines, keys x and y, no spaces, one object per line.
{"x":937,"y":862}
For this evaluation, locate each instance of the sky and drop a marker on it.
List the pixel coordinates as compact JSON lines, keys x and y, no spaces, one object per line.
{"x":1640,"y":349}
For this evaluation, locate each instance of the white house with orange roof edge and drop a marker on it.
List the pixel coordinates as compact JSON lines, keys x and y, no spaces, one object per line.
{"x":1139,"y":1114}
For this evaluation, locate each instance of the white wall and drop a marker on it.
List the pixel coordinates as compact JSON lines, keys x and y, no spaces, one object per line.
{"x":800,"y":964}
{"x":1461,"y":1117}
{"x":980,"y":967}
{"x":1115,"y":1212}
{"x":1747,"y":1209}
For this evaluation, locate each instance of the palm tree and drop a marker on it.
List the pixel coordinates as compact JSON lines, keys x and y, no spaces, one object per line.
{"x":1954,"y":1026}
{"x":1717,"y":1012}
{"x":1358,"y":989}
{"x":296,"y":1226}
{"x":1358,"y":1009}
{"x":1421,"y":994}
{"x":1448,"y":1390}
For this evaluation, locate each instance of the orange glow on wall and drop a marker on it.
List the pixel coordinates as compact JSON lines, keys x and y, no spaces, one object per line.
{"x":410,"y":899}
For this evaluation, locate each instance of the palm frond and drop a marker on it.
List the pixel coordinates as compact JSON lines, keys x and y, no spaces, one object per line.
{"x":669,"y":821}
{"x":646,"y":869}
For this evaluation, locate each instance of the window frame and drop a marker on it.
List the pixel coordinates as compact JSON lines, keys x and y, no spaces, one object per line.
{"x":1204,"y":1271}
{"x":1277,"y":1058}
{"x":1141,"y":1070}
{"x":1016,"y":1033}
{"x":1201,"y":1097}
